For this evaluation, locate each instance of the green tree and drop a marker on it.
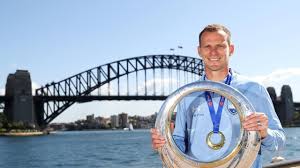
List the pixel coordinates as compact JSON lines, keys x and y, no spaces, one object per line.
{"x":3,"y":120}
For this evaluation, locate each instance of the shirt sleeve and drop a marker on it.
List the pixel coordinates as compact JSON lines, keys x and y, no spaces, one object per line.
{"x":260,"y":99}
{"x":180,"y":127}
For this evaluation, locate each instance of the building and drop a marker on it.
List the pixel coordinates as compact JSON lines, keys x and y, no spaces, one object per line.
{"x":90,"y":118}
{"x":114,"y":120}
{"x":123,"y":120}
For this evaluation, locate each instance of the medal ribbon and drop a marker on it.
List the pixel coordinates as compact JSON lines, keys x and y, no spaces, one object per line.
{"x":216,"y":117}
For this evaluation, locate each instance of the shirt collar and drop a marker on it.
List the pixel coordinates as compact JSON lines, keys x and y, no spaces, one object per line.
{"x":233,"y":74}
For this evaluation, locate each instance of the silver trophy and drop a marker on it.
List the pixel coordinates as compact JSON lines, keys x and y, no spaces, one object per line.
{"x":239,"y":150}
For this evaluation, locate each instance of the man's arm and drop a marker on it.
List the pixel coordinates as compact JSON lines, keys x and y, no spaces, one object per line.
{"x":265,"y":120}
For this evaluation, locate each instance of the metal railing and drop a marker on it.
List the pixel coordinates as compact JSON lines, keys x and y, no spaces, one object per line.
{"x":284,"y":164}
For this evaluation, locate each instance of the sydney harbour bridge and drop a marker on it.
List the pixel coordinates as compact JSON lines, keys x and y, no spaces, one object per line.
{"x":151,"y":77}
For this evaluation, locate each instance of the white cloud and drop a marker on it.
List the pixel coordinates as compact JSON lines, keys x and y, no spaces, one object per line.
{"x":2,"y":91}
{"x":280,"y":77}
{"x":34,"y":86}
{"x":104,"y":90}
{"x":158,"y":83}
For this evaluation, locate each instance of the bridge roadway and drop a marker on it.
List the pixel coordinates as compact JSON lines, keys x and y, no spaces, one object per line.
{"x":105,"y":97}
{"x":297,"y":106}
{"x":3,"y":98}
{"x":91,"y":98}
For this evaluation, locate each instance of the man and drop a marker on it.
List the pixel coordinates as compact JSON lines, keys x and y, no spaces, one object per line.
{"x":215,"y":48}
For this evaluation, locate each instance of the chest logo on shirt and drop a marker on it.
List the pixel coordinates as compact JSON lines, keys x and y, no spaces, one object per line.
{"x":231,"y":108}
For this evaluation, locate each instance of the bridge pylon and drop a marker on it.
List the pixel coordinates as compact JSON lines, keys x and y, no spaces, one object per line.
{"x":20,"y":107}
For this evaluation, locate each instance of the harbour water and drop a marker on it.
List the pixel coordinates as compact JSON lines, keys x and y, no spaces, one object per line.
{"x":85,"y":149}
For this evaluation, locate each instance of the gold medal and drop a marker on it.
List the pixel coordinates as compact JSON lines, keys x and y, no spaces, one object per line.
{"x":215,"y":146}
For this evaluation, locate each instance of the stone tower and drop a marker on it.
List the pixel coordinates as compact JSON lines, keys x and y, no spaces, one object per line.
{"x":19,"y":91}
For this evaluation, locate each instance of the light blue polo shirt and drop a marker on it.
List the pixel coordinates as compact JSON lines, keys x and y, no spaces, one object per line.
{"x":193,"y":122}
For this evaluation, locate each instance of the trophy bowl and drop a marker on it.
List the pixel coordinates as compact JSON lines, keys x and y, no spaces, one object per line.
{"x":239,"y":153}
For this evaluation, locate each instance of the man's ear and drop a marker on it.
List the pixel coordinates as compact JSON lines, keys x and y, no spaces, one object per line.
{"x":199,"y":53}
{"x":231,"y":49}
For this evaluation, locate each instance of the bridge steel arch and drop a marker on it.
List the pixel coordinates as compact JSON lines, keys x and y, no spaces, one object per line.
{"x":54,"y":98}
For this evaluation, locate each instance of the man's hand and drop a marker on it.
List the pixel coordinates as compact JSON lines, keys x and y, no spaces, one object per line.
{"x":157,"y":140}
{"x":257,"y":122}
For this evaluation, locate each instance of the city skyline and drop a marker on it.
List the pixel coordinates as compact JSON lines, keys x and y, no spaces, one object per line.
{"x":57,"y":39}
{"x":96,"y":116}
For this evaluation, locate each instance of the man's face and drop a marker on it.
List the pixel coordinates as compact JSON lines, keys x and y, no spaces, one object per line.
{"x":215,"y":50}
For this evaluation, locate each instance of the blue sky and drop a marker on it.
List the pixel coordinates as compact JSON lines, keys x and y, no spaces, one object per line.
{"x":54,"y":39}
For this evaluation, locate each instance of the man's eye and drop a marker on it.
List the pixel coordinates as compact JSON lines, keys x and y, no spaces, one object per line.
{"x":221,"y":46}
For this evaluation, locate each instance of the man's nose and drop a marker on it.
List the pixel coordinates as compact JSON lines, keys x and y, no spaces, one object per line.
{"x":213,"y":51}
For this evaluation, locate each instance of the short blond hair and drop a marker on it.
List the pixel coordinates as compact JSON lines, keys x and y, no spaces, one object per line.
{"x":214,"y":28}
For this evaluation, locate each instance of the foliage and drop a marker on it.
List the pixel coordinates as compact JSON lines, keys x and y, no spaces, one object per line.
{"x":296,"y":116}
{"x":6,"y":126}
{"x":3,"y":120}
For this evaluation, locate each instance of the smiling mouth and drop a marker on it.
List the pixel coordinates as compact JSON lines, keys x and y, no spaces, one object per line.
{"x":214,"y":59}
